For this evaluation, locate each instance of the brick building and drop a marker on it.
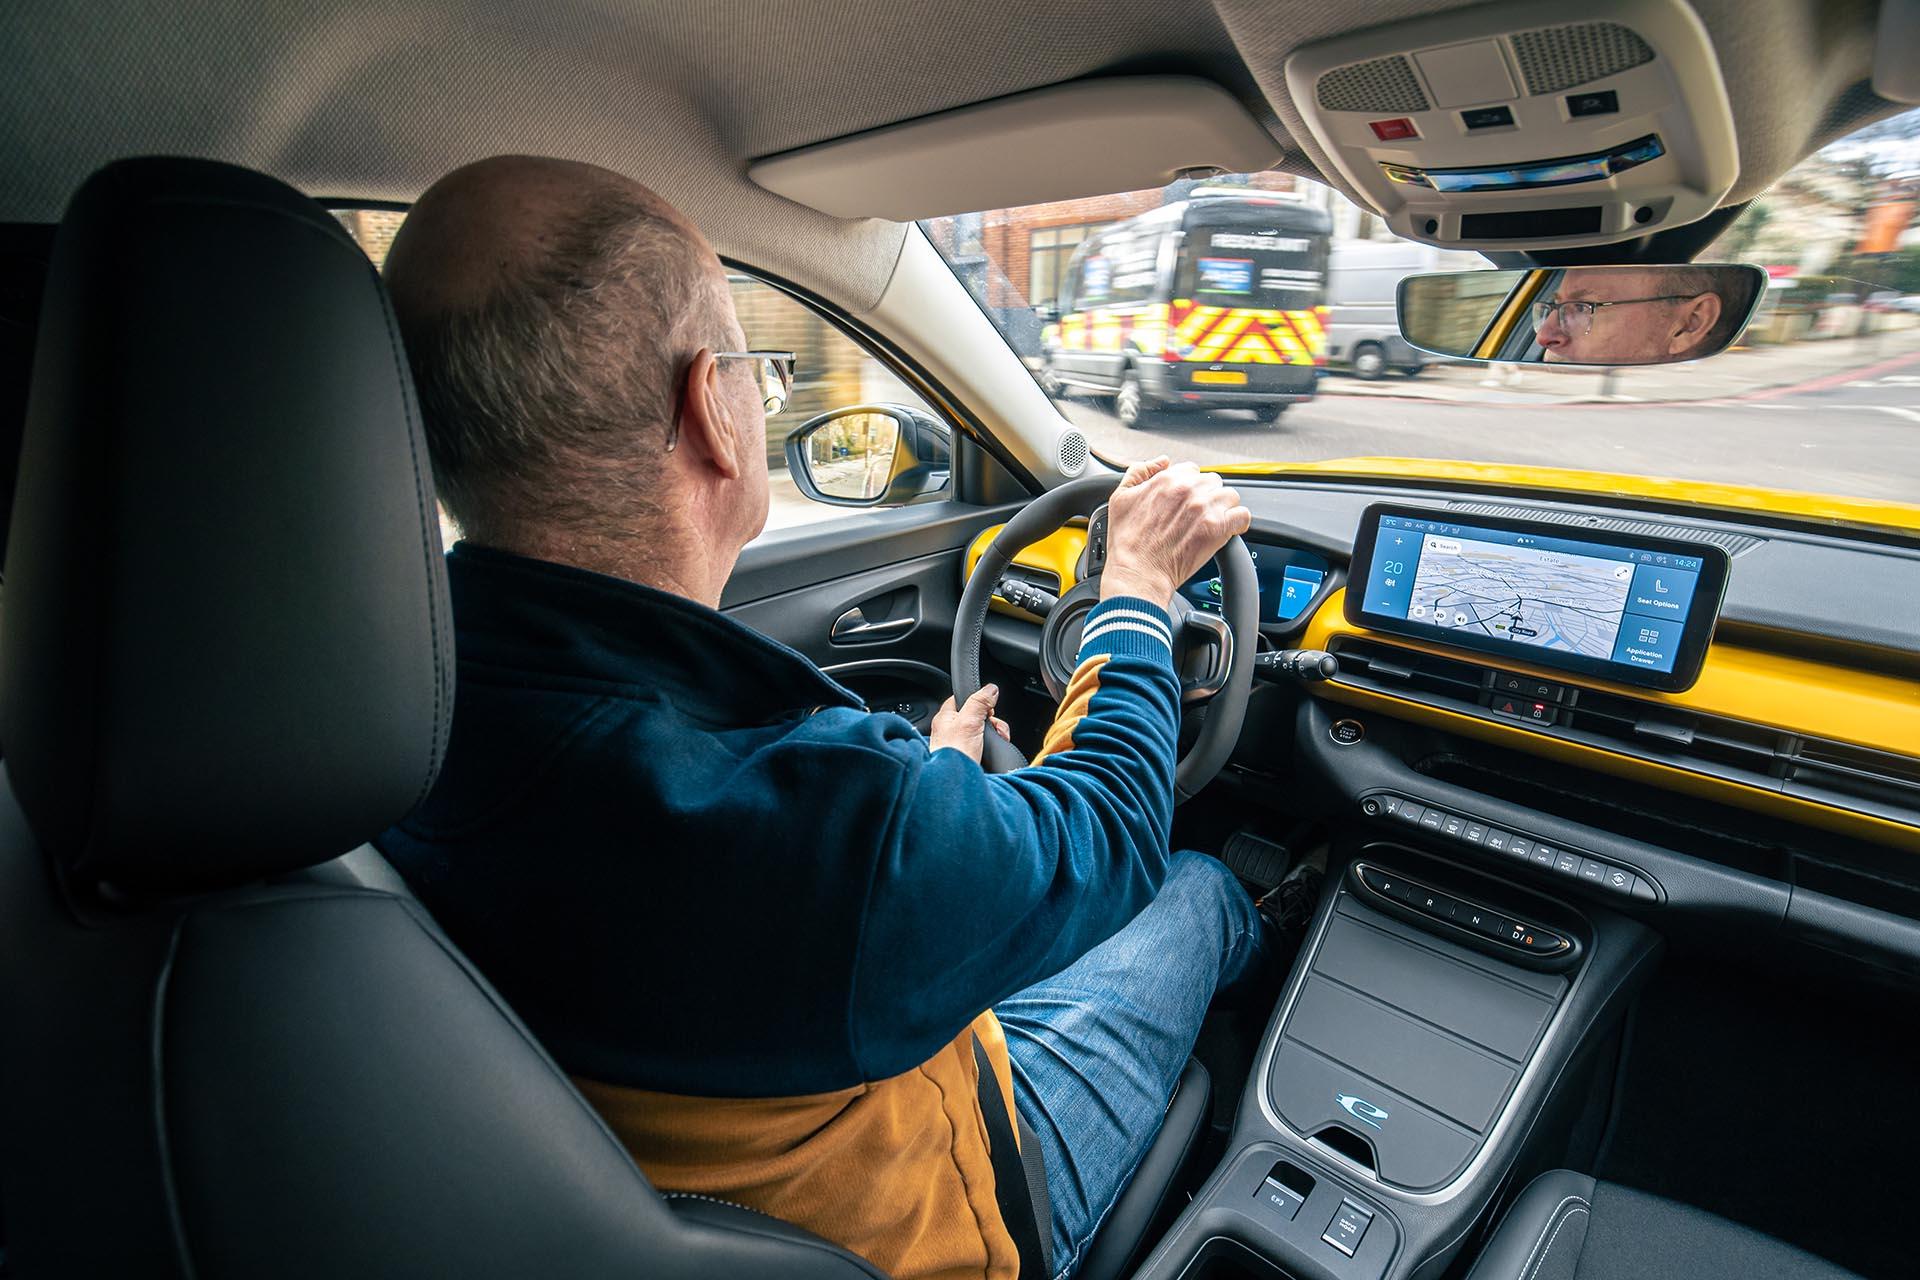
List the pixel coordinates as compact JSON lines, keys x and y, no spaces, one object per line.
{"x":1015,"y":259}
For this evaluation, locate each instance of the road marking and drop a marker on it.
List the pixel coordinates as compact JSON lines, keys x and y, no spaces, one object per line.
{"x":1897,"y":411}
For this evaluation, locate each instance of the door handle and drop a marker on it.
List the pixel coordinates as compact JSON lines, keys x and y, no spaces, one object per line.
{"x":852,"y":627}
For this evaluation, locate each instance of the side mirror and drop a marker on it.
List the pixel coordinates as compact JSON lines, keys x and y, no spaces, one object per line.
{"x":1622,"y":315}
{"x":870,"y":455}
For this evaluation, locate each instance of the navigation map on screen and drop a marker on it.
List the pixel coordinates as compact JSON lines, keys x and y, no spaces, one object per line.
{"x":1612,"y":604}
{"x":1548,"y":598}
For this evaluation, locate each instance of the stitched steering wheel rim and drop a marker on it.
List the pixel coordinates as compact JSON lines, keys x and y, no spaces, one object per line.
{"x":1240,"y":605}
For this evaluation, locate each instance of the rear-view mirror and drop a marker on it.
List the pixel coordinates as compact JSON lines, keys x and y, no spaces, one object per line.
{"x":1622,"y":315}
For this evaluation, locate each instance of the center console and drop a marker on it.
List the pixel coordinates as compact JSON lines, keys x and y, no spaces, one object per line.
{"x":1428,"y":1018}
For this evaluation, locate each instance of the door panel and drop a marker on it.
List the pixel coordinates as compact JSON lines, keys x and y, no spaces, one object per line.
{"x":804,"y":618}
{"x":902,"y":566}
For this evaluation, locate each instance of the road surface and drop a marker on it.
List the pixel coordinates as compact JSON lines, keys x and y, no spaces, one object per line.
{"x":1860,"y":438}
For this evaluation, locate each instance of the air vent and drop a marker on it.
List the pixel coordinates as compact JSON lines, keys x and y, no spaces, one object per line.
{"x":1072,"y":453}
{"x":1729,"y":749}
{"x":1556,"y":58}
{"x":1391,"y":669}
{"x":1856,"y":778}
{"x":1732,"y":543}
{"x":1045,"y":579}
{"x":1879,"y":783}
{"x":1384,"y":84}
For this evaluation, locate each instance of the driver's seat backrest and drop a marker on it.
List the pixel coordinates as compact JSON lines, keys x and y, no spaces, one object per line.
{"x":226,"y":659}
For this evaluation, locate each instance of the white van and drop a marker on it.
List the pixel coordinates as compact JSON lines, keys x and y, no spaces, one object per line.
{"x":1362,"y":277}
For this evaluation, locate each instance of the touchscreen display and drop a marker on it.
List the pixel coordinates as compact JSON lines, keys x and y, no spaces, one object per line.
{"x":1288,"y":579}
{"x":1613,"y":605}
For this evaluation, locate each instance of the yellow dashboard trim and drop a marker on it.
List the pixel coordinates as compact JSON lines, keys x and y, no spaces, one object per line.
{"x":1776,"y":690}
{"x":1822,"y":507}
{"x":1058,"y":553}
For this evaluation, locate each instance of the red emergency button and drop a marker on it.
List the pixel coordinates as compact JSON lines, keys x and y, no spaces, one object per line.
{"x":1393,"y":130}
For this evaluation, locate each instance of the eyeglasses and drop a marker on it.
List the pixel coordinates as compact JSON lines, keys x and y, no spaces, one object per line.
{"x":1582,"y":312}
{"x":773,"y":370}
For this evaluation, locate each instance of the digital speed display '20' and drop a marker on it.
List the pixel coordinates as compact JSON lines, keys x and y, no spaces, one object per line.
{"x":1627,"y":608}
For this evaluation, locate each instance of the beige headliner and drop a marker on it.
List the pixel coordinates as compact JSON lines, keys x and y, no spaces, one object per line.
{"x":373,"y":101}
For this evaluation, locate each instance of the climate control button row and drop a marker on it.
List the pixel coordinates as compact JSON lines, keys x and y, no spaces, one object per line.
{"x":1462,"y":828}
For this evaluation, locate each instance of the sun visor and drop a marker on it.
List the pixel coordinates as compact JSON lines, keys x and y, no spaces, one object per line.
{"x":1484,"y":129}
{"x":1083,"y":138}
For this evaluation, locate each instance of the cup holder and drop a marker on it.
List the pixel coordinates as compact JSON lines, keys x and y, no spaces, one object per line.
{"x":1224,"y":1259}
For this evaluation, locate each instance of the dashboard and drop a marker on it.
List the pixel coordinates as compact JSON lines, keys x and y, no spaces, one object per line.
{"x":1760,"y":751}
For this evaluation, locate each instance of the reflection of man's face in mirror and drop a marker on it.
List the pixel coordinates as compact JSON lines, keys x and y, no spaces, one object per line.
{"x":1629,"y":315}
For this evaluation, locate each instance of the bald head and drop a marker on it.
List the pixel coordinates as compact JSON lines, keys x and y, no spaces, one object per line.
{"x":549,"y":308}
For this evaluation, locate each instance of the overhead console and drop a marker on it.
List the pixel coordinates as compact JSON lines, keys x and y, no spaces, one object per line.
{"x":1481,"y":127}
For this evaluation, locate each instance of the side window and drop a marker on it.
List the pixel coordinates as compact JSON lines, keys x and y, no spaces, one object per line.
{"x":830,"y":372}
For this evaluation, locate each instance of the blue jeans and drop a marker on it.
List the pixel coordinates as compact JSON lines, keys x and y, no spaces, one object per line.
{"x":1097,"y":1048}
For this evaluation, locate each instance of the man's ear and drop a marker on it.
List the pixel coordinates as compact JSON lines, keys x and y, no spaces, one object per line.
{"x":705,"y":425}
{"x":1697,"y":318}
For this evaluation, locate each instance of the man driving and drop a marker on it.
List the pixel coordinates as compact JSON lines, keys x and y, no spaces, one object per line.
{"x":1637,"y":315}
{"x":762,"y":927}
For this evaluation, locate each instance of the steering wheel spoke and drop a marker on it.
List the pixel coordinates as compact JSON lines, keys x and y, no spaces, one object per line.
{"x":1202,"y":654}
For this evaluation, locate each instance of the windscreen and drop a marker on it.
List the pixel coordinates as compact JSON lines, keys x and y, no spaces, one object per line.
{"x":1250,"y":319}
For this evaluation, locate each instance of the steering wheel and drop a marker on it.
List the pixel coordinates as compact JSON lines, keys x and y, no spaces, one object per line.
{"x":1212,"y":653}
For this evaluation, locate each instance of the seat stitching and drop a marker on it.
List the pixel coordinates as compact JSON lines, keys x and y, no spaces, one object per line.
{"x":1545,"y":1227}
{"x":1563,"y":1219}
{"x":169,"y":1181}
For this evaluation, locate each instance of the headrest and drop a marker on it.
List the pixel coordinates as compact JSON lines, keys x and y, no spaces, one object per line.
{"x":226,"y":649}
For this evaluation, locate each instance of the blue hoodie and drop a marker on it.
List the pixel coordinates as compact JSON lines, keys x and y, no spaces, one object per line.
{"x":702,"y":870}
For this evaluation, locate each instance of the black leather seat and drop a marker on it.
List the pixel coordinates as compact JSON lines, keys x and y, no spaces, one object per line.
{"x":225,"y":662}
{"x":1568,"y":1226}
{"x":226,"y":658}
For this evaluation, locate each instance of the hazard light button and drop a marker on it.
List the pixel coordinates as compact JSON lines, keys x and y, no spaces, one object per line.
{"x":1526,"y":709}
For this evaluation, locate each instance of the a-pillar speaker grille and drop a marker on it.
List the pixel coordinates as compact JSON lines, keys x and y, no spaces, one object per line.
{"x":1556,"y":58}
{"x":1073,"y":453}
{"x":1384,"y":84}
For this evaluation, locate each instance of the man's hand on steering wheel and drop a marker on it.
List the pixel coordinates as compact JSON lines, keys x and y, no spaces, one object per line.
{"x":1164,"y":523}
{"x":964,"y":728}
